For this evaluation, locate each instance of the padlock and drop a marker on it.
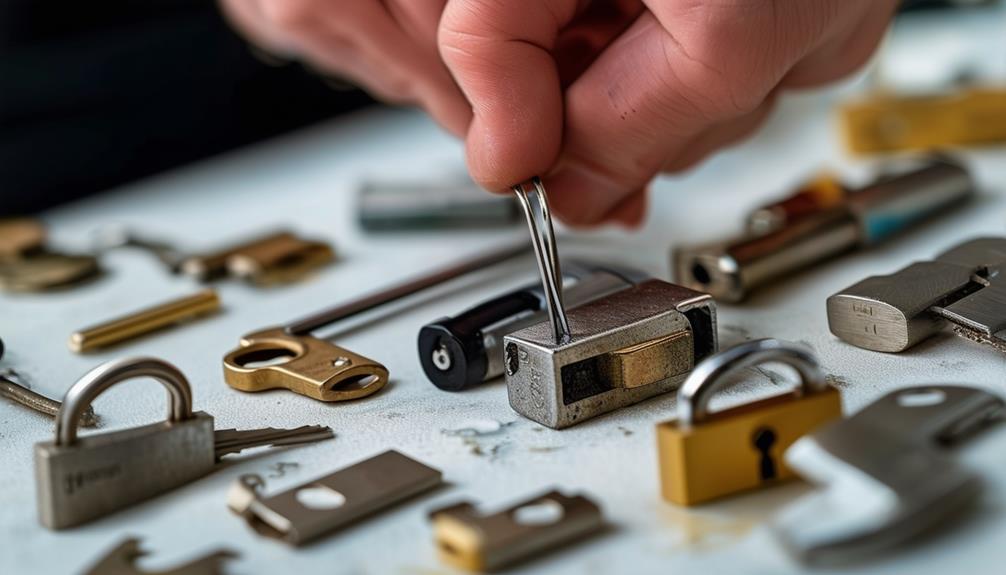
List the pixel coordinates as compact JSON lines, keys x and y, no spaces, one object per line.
{"x":79,"y":479}
{"x":705,"y":456}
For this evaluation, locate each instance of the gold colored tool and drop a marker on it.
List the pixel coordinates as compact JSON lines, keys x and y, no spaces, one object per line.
{"x":888,"y":123}
{"x":309,"y":366}
{"x":279,"y":257}
{"x":27,"y":266}
{"x":470,"y":540}
{"x":20,"y":235}
{"x":707,"y":456}
{"x":145,"y":321}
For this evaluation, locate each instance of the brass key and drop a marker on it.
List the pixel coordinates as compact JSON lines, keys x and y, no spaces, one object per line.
{"x":290,"y":357}
{"x":26,"y":265}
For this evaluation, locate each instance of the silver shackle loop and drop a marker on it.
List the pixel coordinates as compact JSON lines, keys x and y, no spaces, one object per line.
{"x":712,"y":373}
{"x":547,"y":253}
{"x":86,"y":389}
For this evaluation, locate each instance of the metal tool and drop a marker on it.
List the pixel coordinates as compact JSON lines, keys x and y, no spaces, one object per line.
{"x":615,"y":351}
{"x":145,"y":321}
{"x":318,"y":368}
{"x":470,"y":540}
{"x":963,"y":286}
{"x":882,"y":474}
{"x":462,"y":351}
{"x":387,"y":206}
{"x":274,"y":258}
{"x":887,"y":123}
{"x":706,"y":456}
{"x":306,"y":512}
{"x":731,"y":270}
{"x":813,"y":197}
{"x":122,"y":561}
{"x":83,"y":478}
{"x":19,"y":392}
{"x":26,"y":265}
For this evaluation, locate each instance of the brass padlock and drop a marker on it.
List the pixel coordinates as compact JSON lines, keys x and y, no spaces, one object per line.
{"x":79,"y":479}
{"x":303,"y":364}
{"x":705,"y":456}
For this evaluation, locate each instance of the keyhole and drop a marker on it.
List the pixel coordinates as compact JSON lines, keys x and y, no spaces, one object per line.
{"x":764,"y":439}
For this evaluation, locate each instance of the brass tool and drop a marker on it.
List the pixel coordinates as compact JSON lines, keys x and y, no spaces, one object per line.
{"x":888,"y":123}
{"x":355,"y":492}
{"x":26,"y":265}
{"x":274,"y":258}
{"x":473,"y":541}
{"x":731,"y":270}
{"x":606,"y":354}
{"x":145,"y":321}
{"x":706,"y":456}
{"x":79,"y":479}
{"x":122,"y":561}
{"x":290,"y":357}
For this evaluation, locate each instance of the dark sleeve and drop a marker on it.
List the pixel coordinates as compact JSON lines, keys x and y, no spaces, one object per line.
{"x":95,"y":94}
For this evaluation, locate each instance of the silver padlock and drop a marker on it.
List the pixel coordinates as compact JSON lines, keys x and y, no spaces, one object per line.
{"x":610,"y":353}
{"x":82,"y":478}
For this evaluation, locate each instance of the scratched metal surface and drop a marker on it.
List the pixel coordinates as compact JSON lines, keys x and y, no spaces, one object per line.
{"x":308,"y":180}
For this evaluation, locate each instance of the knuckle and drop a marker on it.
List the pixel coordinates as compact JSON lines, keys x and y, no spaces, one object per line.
{"x":289,"y":14}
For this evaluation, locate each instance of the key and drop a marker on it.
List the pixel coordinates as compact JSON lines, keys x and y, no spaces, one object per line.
{"x":291,"y":358}
{"x":82,"y":478}
{"x":227,"y":441}
{"x":273,"y":258}
{"x":963,"y":286}
{"x":20,"y":393}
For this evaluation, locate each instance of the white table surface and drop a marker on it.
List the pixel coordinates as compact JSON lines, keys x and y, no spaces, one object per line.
{"x":308,"y":180}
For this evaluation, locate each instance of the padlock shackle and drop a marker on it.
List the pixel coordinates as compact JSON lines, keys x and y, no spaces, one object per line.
{"x":712,"y":374}
{"x":80,"y":395}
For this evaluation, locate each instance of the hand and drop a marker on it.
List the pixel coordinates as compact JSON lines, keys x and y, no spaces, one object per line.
{"x":685,"y":78}
{"x":386,"y":46}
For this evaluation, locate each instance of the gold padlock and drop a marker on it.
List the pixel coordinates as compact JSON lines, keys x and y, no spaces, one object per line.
{"x":706,"y":456}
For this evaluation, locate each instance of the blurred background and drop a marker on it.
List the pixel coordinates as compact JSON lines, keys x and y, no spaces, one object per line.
{"x":93,"y":95}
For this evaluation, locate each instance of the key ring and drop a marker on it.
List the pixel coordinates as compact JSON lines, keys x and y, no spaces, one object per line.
{"x":546,"y":252}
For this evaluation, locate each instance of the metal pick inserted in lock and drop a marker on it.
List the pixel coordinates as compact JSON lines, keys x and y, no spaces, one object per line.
{"x":704,"y":456}
{"x":83,"y":478}
{"x":606,"y":354}
{"x":883,"y":474}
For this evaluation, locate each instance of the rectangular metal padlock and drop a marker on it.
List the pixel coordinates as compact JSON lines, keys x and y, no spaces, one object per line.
{"x":98,"y":474}
{"x":626,"y":347}
{"x":704,"y":457}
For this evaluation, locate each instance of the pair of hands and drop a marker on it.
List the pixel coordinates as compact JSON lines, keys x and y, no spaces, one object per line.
{"x":597,"y":95}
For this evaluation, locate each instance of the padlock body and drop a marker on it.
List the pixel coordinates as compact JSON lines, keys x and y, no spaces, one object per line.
{"x":626,"y":347}
{"x":717,"y":456}
{"x":101,"y":473}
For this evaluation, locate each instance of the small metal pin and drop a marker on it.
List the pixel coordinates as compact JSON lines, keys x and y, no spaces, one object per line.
{"x":145,"y":321}
{"x":547,"y":253}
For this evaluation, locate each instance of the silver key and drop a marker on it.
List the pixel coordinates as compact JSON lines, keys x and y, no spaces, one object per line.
{"x":227,"y":441}
{"x":80,"y":479}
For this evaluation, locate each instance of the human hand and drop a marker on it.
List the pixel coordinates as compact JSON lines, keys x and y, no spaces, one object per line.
{"x":686,"y":78}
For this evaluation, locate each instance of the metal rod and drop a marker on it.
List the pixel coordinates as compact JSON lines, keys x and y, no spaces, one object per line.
{"x":547,"y":253}
{"x":331,"y":315}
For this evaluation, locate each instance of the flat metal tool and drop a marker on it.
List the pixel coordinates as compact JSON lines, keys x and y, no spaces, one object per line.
{"x":463,"y":351}
{"x":27,"y":265}
{"x":122,"y":561}
{"x":883,"y":474}
{"x":731,"y":270}
{"x":610,"y":353}
{"x":388,"y":206}
{"x":83,"y":478}
{"x":290,"y":357}
{"x":470,"y":540}
{"x":306,"y":512}
{"x":277,"y":257}
{"x":965,"y":286}
{"x":145,"y":321}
